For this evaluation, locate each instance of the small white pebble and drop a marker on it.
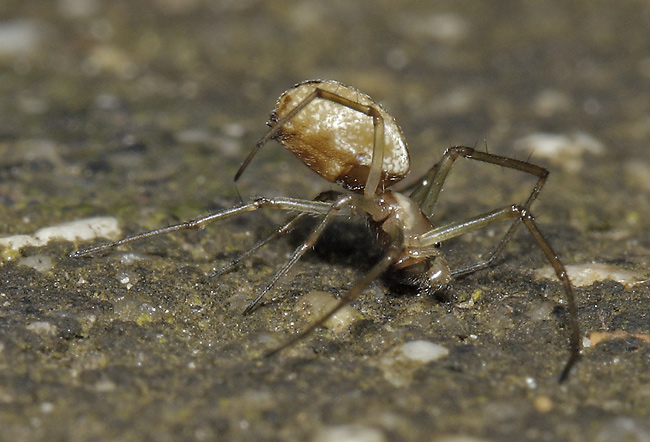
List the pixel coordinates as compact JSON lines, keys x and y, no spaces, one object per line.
{"x":586,"y":274}
{"x":563,"y":150}
{"x":400,"y":363}
{"x":234,"y":130}
{"x":423,"y":351}
{"x":42,"y":328}
{"x":47,"y":407}
{"x":349,"y":433}
{"x":20,"y":37}
{"x":550,"y":102}
{"x":447,"y":27}
{"x":37,"y":262}
{"x":318,"y":303}
{"x":123,"y":277}
{"x":129,"y":258}
{"x":104,"y":386}
{"x":83,"y":229}
{"x":531,"y":383}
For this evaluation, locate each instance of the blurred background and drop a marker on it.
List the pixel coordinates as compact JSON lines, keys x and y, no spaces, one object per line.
{"x":144,"y":111}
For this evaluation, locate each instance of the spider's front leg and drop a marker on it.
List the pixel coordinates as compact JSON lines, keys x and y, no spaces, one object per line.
{"x":522,"y":214}
{"x":288,"y":204}
{"x":427,"y":192}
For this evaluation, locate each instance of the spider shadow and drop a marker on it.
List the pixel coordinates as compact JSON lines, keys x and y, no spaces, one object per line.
{"x":352,"y":243}
{"x":347,"y":242}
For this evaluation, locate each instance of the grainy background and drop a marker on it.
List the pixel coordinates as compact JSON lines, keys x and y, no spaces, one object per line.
{"x":144,"y":110}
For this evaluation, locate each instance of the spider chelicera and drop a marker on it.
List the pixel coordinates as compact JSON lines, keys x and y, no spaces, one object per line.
{"x":349,"y":139}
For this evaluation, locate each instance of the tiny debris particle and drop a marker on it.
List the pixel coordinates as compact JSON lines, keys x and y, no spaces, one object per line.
{"x":531,"y":383}
{"x":586,"y":274}
{"x":128,"y":279}
{"x":143,"y":320}
{"x":41,"y":263}
{"x":423,"y":351}
{"x":47,"y":407}
{"x":600,"y":336}
{"x":551,"y":102}
{"x":349,"y":433}
{"x":543,"y":404}
{"x":104,"y":386}
{"x":400,"y":363}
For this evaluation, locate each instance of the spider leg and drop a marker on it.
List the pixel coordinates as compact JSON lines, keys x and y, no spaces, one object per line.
{"x":391,"y":256}
{"x":286,"y":228}
{"x":374,"y":175}
{"x":522,"y":214}
{"x":289,"y":204}
{"x":426,"y":193}
{"x":274,"y":130}
{"x":308,"y":243}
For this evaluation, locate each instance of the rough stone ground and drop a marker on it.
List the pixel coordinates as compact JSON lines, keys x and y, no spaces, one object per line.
{"x":144,"y":110}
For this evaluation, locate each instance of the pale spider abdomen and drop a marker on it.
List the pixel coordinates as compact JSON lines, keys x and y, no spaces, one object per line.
{"x":337,"y":141}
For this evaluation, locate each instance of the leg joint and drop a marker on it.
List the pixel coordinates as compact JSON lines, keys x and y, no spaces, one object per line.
{"x":261,"y":201}
{"x":462,"y":151}
{"x":341,"y":202}
{"x":522,"y":211}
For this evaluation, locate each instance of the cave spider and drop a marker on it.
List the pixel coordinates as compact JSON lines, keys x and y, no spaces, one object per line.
{"x":349,"y":139}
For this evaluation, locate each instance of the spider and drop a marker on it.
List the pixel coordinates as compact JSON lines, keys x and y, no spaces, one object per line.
{"x":347,"y":138}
